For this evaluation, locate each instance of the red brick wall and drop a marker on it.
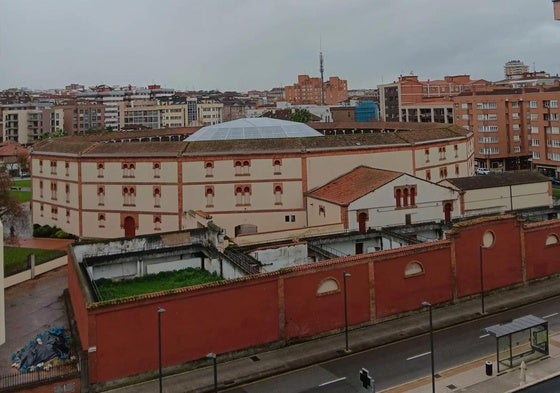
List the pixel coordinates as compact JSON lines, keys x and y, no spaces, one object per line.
{"x":219,"y":320}
{"x":308,"y":313}
{"x":395,"y":293}
{"x":501,"y":262}
{"x":542,"y":260}
{"x":78,"y":304}
{"x":286,"y":305}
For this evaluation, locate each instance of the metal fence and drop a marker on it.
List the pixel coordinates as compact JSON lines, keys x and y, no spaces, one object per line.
{"x":55,"y":373}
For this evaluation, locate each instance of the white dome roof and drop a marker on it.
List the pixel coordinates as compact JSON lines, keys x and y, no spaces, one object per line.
{"x":253,"y":128}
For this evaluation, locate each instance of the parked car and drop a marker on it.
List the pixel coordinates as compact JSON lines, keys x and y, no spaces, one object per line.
{"x":555,"y":181}
{"x":482,"y":171}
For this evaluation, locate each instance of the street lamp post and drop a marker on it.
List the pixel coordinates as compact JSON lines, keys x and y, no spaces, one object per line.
{"x":212,"y":356}
{"x":344,"y":277}
{"x":429,"y":305}
{"x":160,"y":311}
{"x":481,"y":280}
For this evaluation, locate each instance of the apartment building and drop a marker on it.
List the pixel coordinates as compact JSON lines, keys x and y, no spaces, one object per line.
{"x":152,"y":114}
{"x":513,"y":128}
{"x":82,"y":117}
{"x":308,"y":91}
{"x":209,"y":112}
{"x":28,"y":122}
{"x":413,"y":100}
{"x":515,"y":68}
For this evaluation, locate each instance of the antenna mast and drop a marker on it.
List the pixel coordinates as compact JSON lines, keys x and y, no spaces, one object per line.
{"x":321,"y":69}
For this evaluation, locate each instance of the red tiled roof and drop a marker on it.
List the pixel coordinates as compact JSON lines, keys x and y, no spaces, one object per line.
{"x":8,"y":149}
{"x":353,"y":185}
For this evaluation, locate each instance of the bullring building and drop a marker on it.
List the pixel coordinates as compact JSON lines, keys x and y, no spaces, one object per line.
{"x":261,"y":175}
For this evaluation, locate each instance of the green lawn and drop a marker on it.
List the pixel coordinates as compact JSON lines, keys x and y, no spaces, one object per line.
{"x":153,"y":283}
{"x":21,"y":183}
{"x":21,"y":196}
{"x":556,"y":192}
{"x":15,"y":258}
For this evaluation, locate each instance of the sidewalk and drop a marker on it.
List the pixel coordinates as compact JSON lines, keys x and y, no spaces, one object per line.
{"x":465,"y":378}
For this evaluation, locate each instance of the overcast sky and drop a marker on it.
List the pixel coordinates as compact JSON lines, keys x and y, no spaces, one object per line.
{"x":259,"y":44}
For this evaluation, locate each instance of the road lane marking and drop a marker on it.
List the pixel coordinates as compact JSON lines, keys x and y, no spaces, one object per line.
{"x":418,"y":356}
{"x":333,"y":381}
{"x":550,"y":315}
{"x":484,"y":335}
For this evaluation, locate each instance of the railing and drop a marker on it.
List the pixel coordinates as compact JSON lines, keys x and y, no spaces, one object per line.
{"x":326,"y":250}
{"x":246,"y":263}
{"x":54,"y":373}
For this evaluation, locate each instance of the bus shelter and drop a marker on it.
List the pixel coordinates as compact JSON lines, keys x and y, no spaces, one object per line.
{"x":524,"y":338}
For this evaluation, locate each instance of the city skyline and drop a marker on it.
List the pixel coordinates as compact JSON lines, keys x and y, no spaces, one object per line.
{"x":263,"y":44}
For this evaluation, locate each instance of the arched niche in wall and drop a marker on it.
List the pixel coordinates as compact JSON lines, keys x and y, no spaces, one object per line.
{"x":328,"y":286}
{"x":413,"y":269}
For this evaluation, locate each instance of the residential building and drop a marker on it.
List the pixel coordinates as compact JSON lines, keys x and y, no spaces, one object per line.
{"x":514,"y":69}
{"x":82,"y":117}
{"x":245,"y":173}
{"x":556,"y":5}
{"x":29,"y":122}
{"x":513,"y":128}
{"x":209,"y":112}
{"x":309,"y":90}
{"x":413,"y":100}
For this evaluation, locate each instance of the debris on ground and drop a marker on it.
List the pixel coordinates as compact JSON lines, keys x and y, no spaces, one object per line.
{"x":48,"y":349}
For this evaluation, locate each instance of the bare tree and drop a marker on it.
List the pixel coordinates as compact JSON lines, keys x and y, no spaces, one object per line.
{"x":11,"y":210}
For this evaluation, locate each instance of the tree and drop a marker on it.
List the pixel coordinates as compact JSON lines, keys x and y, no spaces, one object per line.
{"x":300,"y":115}
{"x":11,"y":210}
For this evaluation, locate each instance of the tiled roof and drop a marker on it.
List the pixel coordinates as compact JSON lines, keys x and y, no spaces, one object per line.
{"x":136,"y":149}
{"x":497,"y":180}
{"x":353,"y":185}
{"x":10,"y":148}
{"x":350,"y":136}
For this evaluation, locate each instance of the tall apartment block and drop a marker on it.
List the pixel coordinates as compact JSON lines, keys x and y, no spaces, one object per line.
{"x":412,"y":100}
{"x":28,"y":122}
{"x":307,"y":91}
{"x":513,"y":128}
{"x":556,"y":5}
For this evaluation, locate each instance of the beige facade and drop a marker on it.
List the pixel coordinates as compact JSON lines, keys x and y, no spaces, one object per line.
{"x":28,"y":125}
{"x":209,"y":112}
{"x":108,"y":189}
{"x":151,"y":114}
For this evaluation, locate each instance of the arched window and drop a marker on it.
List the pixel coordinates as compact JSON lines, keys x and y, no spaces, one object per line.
{"x":126,"y":196}
{"x":209,"y":167}
{"x":247,"y":195}
{"x":67,"y":192}
{"x":41,"y":188}
{"x":42,"y":209}
{"x":277,"y":167}
{"x":413,"y":269}
{"x":67,"y":167}
{"x":405,"y":197}
{"x":551,"y":240}
{"x":328,"y":286}
{"x":238,"y":196}
{"x":100,"y":169}
{"x":398,"y":195}
{"x":209,"y":193}
{"x":157,"y":223}
{"x":278,"y":195}
{"x":100,"y":195}
{"x":68,"y":216}
{"x":246,"y":166}
{"x":157,"y":197}
{"x":238,"y":168}
{"x":156,"y":167}
{"x":413,"y":196}
{"x":101,"y":220}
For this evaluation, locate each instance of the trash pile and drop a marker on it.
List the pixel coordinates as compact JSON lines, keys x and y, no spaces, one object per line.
{"x":48,"y":348}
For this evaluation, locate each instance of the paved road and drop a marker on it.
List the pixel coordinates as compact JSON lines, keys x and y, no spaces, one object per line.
{"x":406,"y":360}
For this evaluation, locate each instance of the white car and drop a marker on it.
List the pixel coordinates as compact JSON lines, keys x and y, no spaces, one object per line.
{"x":482,"y":171}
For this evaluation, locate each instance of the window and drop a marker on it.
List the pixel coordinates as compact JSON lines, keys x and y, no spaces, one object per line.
{"x":209,"y":193}
{"x":100,"y":169}
{"x":67,"y":168}
{"x":128,"y":169}
{"x":486,"y":105}
{"x":328,"y":286}
{"x":209,"y":168}
{"x":101,"y":195}
{"x":157,"y":167}
{"x":456,"y":169}
{"x":277,"y":194}
{"x":277,"y":166}
{"x":54,"y":213}
{"x":536,"y":155}
{"x":532,"y":104}
{"x":157,"y":197}
{"x":322,"y":211}
{"x":551,"y":240}
{"x":129,"y":196}
{"x":53,"y":167}
{"x":157,"y":223}
{"x":42,"y":210}
{"x":517,"y":149}
{"x":41,"y":189}
{"x":68,"y":216}
{"x":398,"y":196}
{"x":535,"y":142}
{"x":243,"y":195}
{"x":40,"y":166}
{"x":413,"y":269}
{"x":246,"y":166}
{"x":53,"y":191}
{"x":238,"y":168}
{"x":67,"y":192}
{"x":427,"y":154}
{"x":428,"y":175}
{"x":101,"y":220}
{"x":456,"y":149}
{"x":515,"y":104}
{"x":441,"y":151}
